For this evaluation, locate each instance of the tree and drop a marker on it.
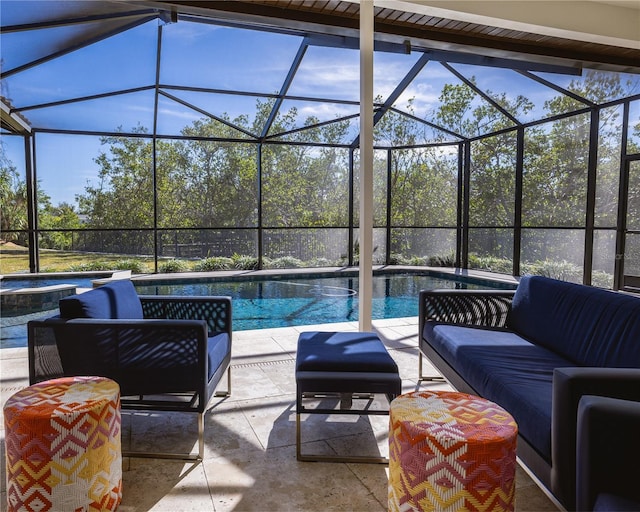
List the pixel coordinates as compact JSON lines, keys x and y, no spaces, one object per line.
{"x":208,"y":178}
{"x":214,"y":183}
{"x":123,"y":196}
{"x":58,"y":218}
{"x":14,"y":206}
{"x":304,"y":185}
{"x":423,"y":185}
{"x":13,"y":202}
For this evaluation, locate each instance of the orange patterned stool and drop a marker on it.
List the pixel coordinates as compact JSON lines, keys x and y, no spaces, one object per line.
{"x":450,"y":451}
{"x":63,"y":449}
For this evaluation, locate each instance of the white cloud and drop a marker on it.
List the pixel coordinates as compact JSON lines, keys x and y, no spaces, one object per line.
{"x":325,"y":111}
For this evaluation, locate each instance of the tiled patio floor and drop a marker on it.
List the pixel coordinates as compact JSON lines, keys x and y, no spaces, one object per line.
{"x":250,"y":461}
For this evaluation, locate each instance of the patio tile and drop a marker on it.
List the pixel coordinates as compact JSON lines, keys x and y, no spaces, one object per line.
{"x":165,"y":486}
{"x":294,"y":486}
{"x":258,"y":348}
{"x":252,"y":381}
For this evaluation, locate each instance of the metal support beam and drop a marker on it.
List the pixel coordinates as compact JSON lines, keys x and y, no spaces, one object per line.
{"x":366,"y":166}
{"x":32,"y":203}
{"x":592,"y":173}
{"x":260,"y":201}
{"x":351,"y":209}
{"x":285,"y":87}
{"x":479,"y":91}
{"x":82,"y":44}
{"x":517,"y":213}
{"x":461,"y":257}
{"x":466,"y":173}
{"x":623,"y":197}
{"x":11,"y":121}
{"x":154,"y":156}
{"x":389,"y":217}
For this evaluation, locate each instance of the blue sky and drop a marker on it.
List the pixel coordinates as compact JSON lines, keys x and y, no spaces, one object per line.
{"x":201,"y":55}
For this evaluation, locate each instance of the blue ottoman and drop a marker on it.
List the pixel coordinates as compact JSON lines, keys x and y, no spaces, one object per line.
{"x":347,"y":364}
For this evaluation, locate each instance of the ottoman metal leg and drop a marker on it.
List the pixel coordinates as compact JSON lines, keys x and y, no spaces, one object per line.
{"x":332,"y":458}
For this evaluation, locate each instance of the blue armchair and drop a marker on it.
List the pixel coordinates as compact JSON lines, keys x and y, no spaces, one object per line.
{"x":608,"y":451}
{"x":167,"y":353}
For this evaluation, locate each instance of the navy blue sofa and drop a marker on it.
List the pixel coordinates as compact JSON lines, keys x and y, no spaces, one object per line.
{"x":167,"y":353}
{"x":536,"y":352}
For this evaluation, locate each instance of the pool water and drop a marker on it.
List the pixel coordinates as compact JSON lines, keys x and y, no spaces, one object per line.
{"x":282,"y":301}
{"x":288,"y":302}
{"x":40,"y":282}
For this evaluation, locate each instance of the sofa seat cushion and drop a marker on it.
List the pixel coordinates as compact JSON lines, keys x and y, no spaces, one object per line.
{"x":506,"y":369}
{"x":115,"y":300}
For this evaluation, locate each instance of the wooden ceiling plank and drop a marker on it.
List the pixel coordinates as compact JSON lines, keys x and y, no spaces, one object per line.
{"x":343,"y":16}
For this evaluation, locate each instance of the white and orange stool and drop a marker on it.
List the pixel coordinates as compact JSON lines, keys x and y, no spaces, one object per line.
{"x":63,"y":448}
{"x":450,"y":451}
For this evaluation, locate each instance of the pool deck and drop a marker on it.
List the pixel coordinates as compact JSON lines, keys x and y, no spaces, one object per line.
{"x":331,"y":271}
{"x":250,"y":461}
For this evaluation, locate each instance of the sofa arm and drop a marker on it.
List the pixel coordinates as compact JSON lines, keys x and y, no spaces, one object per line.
{"x":607,"y":452}
{"x":215,"y":310}
{"x":569,"y":385}
{"x":472,"y":307}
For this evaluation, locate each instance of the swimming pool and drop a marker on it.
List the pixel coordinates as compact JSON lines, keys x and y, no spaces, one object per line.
{"x":284,"y":301}
{"x":287,"y":301}
{"x":39,"y":282}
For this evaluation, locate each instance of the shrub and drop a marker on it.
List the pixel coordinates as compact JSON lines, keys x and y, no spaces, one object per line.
{"x":442,"y":260}
{"x":170,"y":266}
{"x":602,"y":279}
{"x":244,"y":262}
{"x":91,"y":265}
{"x":213,"y":263}
{"x":322,"y":262}
{"x":417,"y":261}
{"x":397,"y":259}
{"x":54,"y":269}
{"x":286,"y":262}
{"x":136,"y":267}
{"x":491,"y":264}
{"x":562,"y":270}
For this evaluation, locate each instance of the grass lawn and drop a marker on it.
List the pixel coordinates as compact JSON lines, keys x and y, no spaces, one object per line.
{"x":14,"y":258}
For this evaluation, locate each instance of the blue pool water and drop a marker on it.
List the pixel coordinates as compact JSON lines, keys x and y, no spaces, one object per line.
{"x":283,"y":301}
{"x":40,"y":282}
{"x":287,"y":302}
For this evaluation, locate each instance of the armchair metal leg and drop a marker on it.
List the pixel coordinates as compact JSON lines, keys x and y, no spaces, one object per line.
{"x":228,"y":391}
{"x":201,"y":436}
{"x":426,"y":378}
{"x":187,"y":457}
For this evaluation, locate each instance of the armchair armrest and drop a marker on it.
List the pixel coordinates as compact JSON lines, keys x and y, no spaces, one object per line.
{"x":215,"y":310}
{"x":607,"y":452}
{"x":569,"y":385}
{"x":472,"y":307}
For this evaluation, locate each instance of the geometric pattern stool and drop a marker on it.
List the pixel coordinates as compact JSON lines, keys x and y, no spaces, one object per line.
{"x":63,"y":451}
{"x":450,"y":451}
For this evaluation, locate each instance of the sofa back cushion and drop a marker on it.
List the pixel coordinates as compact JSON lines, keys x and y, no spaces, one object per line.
{"x":589,"y":326}
{"x":115,"y":300}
